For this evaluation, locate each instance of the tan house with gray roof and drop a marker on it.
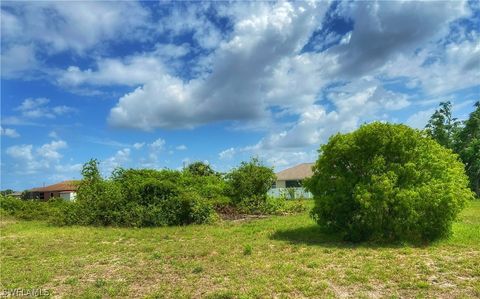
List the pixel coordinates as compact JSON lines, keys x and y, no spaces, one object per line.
{"x":293,"y":176}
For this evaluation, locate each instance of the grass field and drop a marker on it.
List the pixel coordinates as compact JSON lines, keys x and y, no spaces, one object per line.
{"x":274,"y":257}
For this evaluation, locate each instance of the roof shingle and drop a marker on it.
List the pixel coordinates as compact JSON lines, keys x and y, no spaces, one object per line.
{"x":62,"y":186}
{"x":298,"y":172}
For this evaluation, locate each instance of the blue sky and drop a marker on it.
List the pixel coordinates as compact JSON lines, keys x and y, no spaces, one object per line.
{"x":160,"y":84}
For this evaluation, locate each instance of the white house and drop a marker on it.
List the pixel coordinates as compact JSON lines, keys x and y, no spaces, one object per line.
{"x":293,"y":176}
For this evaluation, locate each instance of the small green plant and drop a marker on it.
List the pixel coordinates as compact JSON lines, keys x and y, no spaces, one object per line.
{"x":247,"y":250}
{"x":156,"y":256}
{"x":291,"y":193}
{"x":100,"y":283}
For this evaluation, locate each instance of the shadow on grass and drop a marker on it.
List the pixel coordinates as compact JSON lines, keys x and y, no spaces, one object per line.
{"x":314,"y":236}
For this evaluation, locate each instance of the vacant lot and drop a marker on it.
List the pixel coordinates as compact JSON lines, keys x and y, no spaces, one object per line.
{"x":274,"y":257}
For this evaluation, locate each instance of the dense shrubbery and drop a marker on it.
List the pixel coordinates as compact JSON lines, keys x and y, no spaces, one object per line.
{"x":147,"y":197}
{"x":141,"y":198}
{"x":250,"y":182}
{"x":32,"y":210}
{"x":387,"y":182}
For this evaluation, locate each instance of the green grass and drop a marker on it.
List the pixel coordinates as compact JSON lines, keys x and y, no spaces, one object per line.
{"x":281,"y":256}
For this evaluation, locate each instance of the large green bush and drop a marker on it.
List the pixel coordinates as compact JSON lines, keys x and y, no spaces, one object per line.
{"x":387,"y":182}
{"x":250,"y":182}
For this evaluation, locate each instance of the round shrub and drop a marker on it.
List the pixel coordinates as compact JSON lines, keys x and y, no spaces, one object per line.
{"x":387,"y":182}
{"x":250,"y":181}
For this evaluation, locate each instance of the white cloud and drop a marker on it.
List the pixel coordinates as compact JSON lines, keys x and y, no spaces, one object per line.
{"x":49,"y":151}
{"x":353,"y":103}
{"x":384,"y":29}
{"x":133,"y":70}
{"x":419,"y":119}
{"x":31,"y":30}
{"x":31,"y":104}
{"x":9,"y":132}
{"x":138,"y":145}
{"x":181,"y":147}
{"x":454,"y":68}
{"x":151,"y":160}
{"x":120,"y":158}
{"x":232,"y":90}
{"x":31,"y":160}
{"x":38,"y":108}
{"x":192,"y":19}
{"x":83,"y":24}
{"x":158,"y":144}
{"x":227,"y":154}
{"x":248,"y":76}
{"x":106,"y":141}
{"x":53,"y":135}
{"x":17,"y":59}
{"x":21,"y":152}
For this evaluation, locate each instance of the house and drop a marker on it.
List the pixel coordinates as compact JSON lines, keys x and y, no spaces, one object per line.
{"x":293,"y":176}
{"x":16,"y":194}
{"x":66,"y":190}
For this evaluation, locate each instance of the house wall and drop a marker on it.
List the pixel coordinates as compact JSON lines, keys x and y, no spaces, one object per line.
{"x":282,"y":192}
{"x":70,"y":195}
{"x":280,"y":184}
{"x":48,"y":195}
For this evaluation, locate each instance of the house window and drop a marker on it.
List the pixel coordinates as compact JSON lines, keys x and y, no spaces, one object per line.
{"x":293,"y":184}
{"x":51,"y":194}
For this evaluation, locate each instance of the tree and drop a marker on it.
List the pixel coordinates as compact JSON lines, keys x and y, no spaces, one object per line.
{"x":6,"y":192}
{"x":251,"y":180}
{"x":90,"y":171}
{"x":387,"y":182}
{"x":468,"y":148}
{"x":442,"y":126}
{"x":200,"y":169}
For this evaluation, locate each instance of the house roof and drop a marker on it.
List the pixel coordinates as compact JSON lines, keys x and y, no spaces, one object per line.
{"x":298,"y":172}
{"x":62,"y":186}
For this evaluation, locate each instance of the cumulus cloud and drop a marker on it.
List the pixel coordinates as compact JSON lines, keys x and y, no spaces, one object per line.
{"x":120,"y":158}
{"x":157,"y":145}
{"x":84,"y":24}
{"x":192,"y":19}
{"x":9,"y":132}
{"x":21,"y":152}
{"x":181,"y":147}
{"x":18,"y":59}
{"x":248,"y":75}
{"x":29,"y":30}
{"x":30,"y":159}
{"x":384,"y":29}
{"x":38,"y":108}
{"x":138,"y":145}
{"x":232,"y":91}
{"x":130,"y":71}
{"x":49,"y":151}
{"x":454,"y":68}
{"x":352,"y":103}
